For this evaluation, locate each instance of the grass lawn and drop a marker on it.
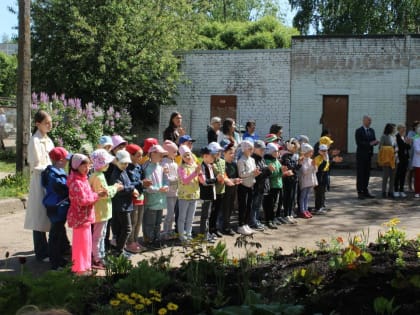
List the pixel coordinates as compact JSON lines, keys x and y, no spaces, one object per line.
{"x":7,"y":166}
{"x":12,"y":186}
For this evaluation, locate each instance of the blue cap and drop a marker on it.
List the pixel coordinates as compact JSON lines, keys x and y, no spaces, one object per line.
{"x":105,"y":140}
{"x":185,"y":138}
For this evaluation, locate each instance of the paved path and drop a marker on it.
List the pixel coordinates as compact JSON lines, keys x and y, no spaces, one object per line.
{"x":349,"y":216}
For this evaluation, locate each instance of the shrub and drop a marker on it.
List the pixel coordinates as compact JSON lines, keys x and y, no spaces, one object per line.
{"x":75,"y":124}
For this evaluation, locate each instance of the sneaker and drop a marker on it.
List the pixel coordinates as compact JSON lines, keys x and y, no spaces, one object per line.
{"x":303,"y":215}
{"x":98,"y":265}
{"x":257,"y":227}
{"x":283,"y":220}
{"x":242,"y":230}
{"x":396,"y":194}
{"x":308,"y":214}
{"x":271,"y":225}
{"x":276,"y":221}
{"x":218,"y":234}
{"x":132,"y":248}
{"x":403,"y":194}
{"x":417,"y":196}
{"x":292,"y":219}
{"x":229,"y":232}
{"x":249,"y":229}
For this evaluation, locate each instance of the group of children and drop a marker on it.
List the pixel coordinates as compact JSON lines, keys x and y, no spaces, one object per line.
{"x":121,"y":187}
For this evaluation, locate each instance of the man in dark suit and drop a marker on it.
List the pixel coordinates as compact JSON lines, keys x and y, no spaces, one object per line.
{"x":365,"y":141}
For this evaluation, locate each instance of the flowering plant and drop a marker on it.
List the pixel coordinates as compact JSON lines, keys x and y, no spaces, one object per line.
{"x":75,"y":124}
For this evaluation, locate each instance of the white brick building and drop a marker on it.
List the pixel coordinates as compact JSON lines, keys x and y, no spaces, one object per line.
{"x":322,"y":81}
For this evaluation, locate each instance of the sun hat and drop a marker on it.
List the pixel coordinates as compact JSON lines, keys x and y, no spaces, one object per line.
{"x":117,"y":140}
{"x":123,"y":156}
{"x":292,"y":144}
{"x":185,"y":138}
{"x":148,"y":143}
{"x":170,"y":146}
{"x":325,"y":140}
{"x":323,"y":147}
{"x":77,"y":159}
{"x":101,"y":158}
{"x":245,"y":145}
{"x":271,"y":148}
{"x":133,"y":148}
{"x":157,"y":148}
{"x":215,"y":119}
{"x":105,"y":140}
{"x":259,"y":144}
{"x":214,"y":147}
{"x":183,"y":149}
{"x":302,"y":139}
{"x":271,"y":137}
{"x":306,"y":147}
{"x":59,"y":153}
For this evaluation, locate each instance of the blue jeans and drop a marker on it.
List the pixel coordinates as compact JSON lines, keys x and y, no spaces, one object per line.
{"x":185,"y":217}
{"x":152,"y":220}
{"x":304,"y":198}
{"x":257,"y":198}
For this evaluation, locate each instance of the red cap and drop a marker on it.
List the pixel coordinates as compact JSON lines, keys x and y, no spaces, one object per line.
{"x":58,"y":153}
{"x":133,"y":148}
{"x":148,"y":143}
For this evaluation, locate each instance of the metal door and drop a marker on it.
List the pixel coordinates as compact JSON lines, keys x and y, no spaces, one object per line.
{"x":335,"y":119}
{"x":223,"y":106}
{"x":413,"y":110}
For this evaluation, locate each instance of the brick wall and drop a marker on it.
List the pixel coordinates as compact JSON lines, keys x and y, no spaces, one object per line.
{"x":375,"y":72}
{"x":259,"y":78}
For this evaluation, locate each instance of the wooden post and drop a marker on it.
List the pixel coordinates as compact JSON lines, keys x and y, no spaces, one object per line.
{"x":23,"y":99}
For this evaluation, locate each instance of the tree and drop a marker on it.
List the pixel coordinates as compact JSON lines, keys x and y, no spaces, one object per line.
{"x":356,"y":17}
{"x":238,"y":10}
{"x":112,"y":52}
{"x":8,"y":75}
{"x":265,"y":33}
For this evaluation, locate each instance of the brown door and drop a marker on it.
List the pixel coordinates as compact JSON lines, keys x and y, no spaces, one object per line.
{"x":413,"y":110}
{"x":223,"y":106}
{"x":334,"y":118}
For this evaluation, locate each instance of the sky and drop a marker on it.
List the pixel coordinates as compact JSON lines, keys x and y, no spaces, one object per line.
{"x":8,"y":20}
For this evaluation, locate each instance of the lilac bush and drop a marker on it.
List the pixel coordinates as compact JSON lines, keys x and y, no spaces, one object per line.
{"x":75,"y":124}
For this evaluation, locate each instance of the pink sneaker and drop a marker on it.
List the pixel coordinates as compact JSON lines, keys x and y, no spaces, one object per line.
{"x":133,"y":248}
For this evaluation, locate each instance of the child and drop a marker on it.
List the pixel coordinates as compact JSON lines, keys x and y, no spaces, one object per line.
{"x":270,"y":198}
{"x":136,"y":175}
{"x":81,"y":214}
{"x":322,"y":162}
{"x":103,"y":207}
{"x":36,"y":218}
{"x":219,"y":169}
{"x":105,"y":142}
{"x":262,"y":184}
{"x":188,"y":192}
{"x":147,"y":144}
{"x":188,"y":142}
{"x":122,"y":203}
{"x":307,"y":179}
{"x":56,"y":201}
{"x":230,"y":191}
{"x":291,"y":166}
{"x":247,"y":171}
{"x":155,"y":196}
{"x":207,"y":192}
{"x":171,"y":174}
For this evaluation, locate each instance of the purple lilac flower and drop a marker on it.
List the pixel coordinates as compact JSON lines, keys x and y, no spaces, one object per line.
{"x":83,"y":136}
{"x":34,"y":98}
{"x":60,"y":142}
{"x":63,"y":97}
{"x":110,"y":111}
{"x":54,"y":97}
{"x":117,"y":115}
{"x":44,"y":98}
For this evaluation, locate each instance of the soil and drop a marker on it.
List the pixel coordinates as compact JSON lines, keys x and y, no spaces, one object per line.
{"x":323,"y":290}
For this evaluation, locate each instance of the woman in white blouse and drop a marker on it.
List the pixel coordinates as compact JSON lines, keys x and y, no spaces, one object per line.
{"x":36,"y":215}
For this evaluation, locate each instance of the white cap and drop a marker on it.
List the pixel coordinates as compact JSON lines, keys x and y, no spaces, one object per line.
{"x":123,"y":156}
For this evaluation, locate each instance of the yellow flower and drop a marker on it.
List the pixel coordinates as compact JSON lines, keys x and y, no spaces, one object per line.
{"x":357,"y":239}
{"x":262,"y":254}
{"x":131,"y":301}
{"x":156,"y":299}
{"x":114,"y":302}
{"x":162,"y":311}
{"x":147,"y":301}
{"x":122,"y":296}
{"x":134,"y":295}
{"x":235,"y":261}
{"x":139,"y":307}
{"x":129,"y":312}
{"x":172,"y":307}
{"x":392,"y":222}
{"x":302,"y":272}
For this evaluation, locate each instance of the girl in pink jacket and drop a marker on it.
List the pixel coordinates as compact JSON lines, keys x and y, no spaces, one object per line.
{"x":81,"y":213}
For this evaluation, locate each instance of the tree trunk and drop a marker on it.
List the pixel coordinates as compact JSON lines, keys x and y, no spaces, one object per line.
{"x":24,"y":85}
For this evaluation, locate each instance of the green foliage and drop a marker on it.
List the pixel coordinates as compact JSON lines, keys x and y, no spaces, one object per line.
{"x":52,"y":289}
{"x":75,"y":124}
{"x":356,"y":17}
{"x":115,"y":52}
{"x":142,"y":278}
{"x":265,"y":33}
{"x":16,"y":185}
{"x":383,"y":306}
{"x":256,"y":305}
{"x":393,"y":239}
{"x":117,"y":266}
{"x":310,"y":278}
{"x":351,"y":258}
{"x":8,"y":75}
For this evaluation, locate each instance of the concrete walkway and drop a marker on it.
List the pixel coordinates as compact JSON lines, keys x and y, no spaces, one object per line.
{"x":349,"y":216}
